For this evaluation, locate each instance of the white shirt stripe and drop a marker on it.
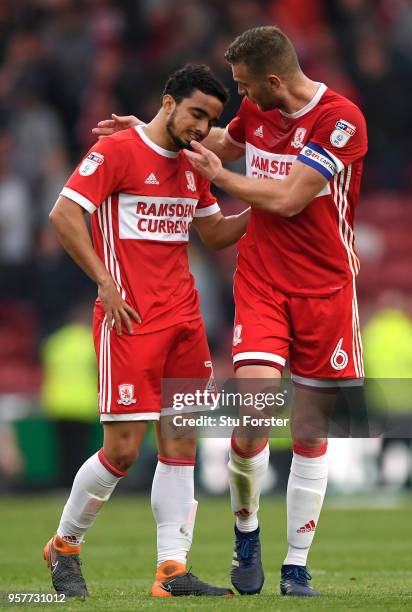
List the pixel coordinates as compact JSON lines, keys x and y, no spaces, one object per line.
{"x":99,"y":218}
{"x":104,"y":216}
{"x":114,"y":260}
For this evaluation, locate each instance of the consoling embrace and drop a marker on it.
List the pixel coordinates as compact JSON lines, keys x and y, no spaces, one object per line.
{"x":294,"y":292}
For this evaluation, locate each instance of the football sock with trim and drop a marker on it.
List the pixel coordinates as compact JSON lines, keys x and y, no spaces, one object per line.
{"x":247,"y":471}
{"x":174,"y":508}
{"x":305,"y":494}
{"x":92,"y":487}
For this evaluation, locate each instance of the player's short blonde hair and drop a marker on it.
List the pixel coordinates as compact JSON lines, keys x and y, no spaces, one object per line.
{"x":264,"y":50}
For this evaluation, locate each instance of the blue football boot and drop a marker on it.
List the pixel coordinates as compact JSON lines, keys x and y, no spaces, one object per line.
{"x":247,"y":571}
{"x":294,"y":581}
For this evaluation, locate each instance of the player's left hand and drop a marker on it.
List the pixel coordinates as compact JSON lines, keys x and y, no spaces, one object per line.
{"x":203,"y":160}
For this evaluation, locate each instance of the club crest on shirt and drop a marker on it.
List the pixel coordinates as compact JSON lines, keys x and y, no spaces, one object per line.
{"x":190,"y":178}
{"x":237,"y":335}
{"x":126,"y":395}
{"x":91,"y":163}
{"x":342,"y":132}
{"x":298,"y":138}
{"x":211,"y":383}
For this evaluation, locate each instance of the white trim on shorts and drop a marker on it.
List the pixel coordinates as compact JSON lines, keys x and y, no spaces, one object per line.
{"x":105,"y":381}
{"x":132,"y":416}
{"x":170,"y":411}
{"x":327,"y":383}
{"x":260,"y":357}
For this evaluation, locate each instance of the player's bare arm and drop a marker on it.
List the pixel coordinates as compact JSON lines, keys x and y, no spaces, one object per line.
{"x":218,"y":232}
{"x":286,"y":197}
{"x":218,"y":142}
{"x":68,"y":220}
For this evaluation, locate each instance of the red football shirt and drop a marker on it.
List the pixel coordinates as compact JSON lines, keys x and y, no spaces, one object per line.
{"x":312,"y":253}
{"x":142,"y":199}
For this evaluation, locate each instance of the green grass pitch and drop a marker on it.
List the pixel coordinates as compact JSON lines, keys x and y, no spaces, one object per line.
{"x":361,"y":558}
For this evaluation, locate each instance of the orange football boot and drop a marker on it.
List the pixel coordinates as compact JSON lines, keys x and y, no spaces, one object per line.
{"x":173,"y":580}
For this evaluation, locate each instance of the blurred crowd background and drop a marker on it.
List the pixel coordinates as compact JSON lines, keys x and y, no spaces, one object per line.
{"x":65,"y":65}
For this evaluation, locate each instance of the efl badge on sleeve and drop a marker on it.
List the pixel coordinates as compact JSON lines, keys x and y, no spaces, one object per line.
{"x":91,"y":163}
{"x":342,"y":132}
{"x":126,"y":395}
{"x":190,"y":177}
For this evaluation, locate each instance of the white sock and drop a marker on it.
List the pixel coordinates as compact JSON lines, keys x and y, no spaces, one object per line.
{"x":174,"y":510}
{"x":92,"y":487}
{"x":246,"y":476}
{"x":306,"y":491}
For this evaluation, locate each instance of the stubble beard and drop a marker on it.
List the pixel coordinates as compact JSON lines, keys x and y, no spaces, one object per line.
{"x":170,"y":126}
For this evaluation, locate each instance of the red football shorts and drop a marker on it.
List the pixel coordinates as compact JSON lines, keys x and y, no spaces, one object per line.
{"x":131,"y":367}
{"x":319,"y":336}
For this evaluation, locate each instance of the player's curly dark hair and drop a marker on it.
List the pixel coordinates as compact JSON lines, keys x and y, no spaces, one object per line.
{"x":182,"y":83}
{"x":263,"y":50}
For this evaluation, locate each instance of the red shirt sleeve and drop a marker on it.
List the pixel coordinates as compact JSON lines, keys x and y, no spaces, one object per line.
{"x":339,"y":140}
{"x":98,"y":175}
{"x":235,"y":131}
{"x":207,"y":204}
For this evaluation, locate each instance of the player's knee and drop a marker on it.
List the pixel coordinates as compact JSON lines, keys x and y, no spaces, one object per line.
{"x":308,"y":442}
{"x":248,"y":445}
{"x":124,"y":459}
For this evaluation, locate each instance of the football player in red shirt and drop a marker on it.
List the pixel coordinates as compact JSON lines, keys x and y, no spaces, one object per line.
{"x":143,"y":194}
{"x":294,"y":286}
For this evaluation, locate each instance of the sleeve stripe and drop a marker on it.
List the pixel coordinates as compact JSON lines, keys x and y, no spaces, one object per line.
{"x":207,"y":211}
{"x":242,"y":145}
{"x":79,"y":199}
{"x":316,"y":166}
